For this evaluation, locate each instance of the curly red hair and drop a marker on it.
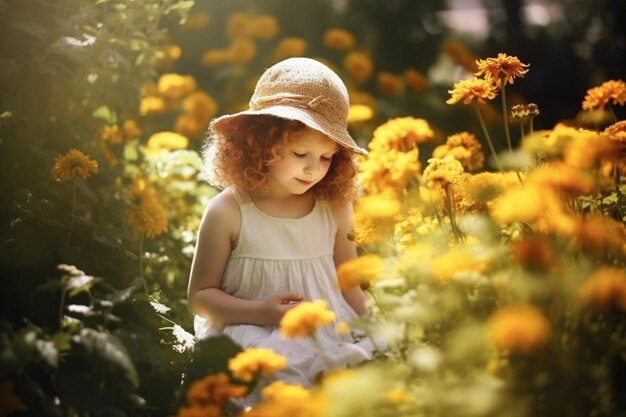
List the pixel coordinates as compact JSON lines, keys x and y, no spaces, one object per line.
{"x":241,"y":153}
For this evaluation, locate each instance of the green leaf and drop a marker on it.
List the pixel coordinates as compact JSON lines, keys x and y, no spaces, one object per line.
{"x":110,"y":349}
{"x":105,"y":113}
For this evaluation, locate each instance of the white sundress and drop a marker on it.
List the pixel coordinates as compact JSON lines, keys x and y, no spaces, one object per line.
{"x":282,"y":254}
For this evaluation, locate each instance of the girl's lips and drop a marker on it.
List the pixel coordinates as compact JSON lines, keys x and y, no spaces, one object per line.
{"x":303,"y":182}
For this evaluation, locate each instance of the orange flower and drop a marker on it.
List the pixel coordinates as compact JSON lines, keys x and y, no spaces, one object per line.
{"x":599,"y":97}
{"x":359,"y":65}
{"x":460,"y":55}
{"x":74,"y":162}
{"x":504,"y":68}
{"x":415,"y":80}
{"x":241,"y":50}
{"x":289,"y":47}
{"x":264,"y":27}
{"x":359,"y":271}
{"x":617,"y":131}
{"x":389,"y":84}
{"x":146,"y":215}
{"x":338,"y":39}
{"x":472,"y":88}
{"x":215,"y":389}
{"x":465,"y":148}
{"x":533,"y":253}
{"x":304,"y":319}
{"x":518,"y":328}
{"x":254,"y":362}
{"x":564,"y":178}
{"x":604,"y":288}
{"x":401,"y":133}
{"x":440,"y":173}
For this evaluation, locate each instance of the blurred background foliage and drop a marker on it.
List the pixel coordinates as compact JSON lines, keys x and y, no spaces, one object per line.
{"x":133,"y":84}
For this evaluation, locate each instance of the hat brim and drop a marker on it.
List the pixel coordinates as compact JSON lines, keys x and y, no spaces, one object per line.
{"x":310,"y":118}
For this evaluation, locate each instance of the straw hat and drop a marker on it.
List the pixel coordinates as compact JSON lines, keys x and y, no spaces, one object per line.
{"x":305,"y":90}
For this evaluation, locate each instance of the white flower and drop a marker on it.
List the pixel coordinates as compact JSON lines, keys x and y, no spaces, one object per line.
{"x":185,"y":339}
{"x":159,"y":308}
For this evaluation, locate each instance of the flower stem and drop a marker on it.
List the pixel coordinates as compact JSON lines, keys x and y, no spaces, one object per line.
{"x":141,"y":277}
{"x":489,"y":141}
{"x":531,"y":127}
{"x":69,"y":231}
{"x":451,"y":215}
{"x":507,"y":134}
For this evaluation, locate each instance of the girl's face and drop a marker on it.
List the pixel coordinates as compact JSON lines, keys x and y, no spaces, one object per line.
{"x":306,"y":160}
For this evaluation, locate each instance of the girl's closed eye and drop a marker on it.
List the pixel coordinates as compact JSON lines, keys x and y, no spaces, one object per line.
{"x":299,"y":155}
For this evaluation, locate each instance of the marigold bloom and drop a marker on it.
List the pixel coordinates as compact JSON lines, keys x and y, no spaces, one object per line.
{"x":359,"y":271}
{"x":504,"y":68}
{"x":215,"y":57}
{"x":289,"y":47}
{"x":281,"y":399}
{"x":401,"y":133}
{"x":173,"y":85}
{"x":533,"y":253}
{"x":563,"y":178}
{"x":415,"y":80}
{"x":390,"y":170}
{"x":472,"y":88}
{"x":305,"y":318}
{"x":281,"y":391}
{"x":146,"y":215}
{"x":465,"y":148}
{"x":518,"y":328}
{"x":606,"y":287}
{"x":389,"y":84}
{"x":166,"y":141}
{"x":241,"y":50}
{"x":215,"y":389}
{"x":201,"y":105}
{"x":151,"y":104}
{"x":338,"y":39}
{"x":601,"y":235}
{"x":264,"y":27}
{"x":256,"y":362}
{"x":73,"y":163}
{"x":441,"y":173}
{"x":617,"y":131}
{"x":358,"y":113}
{"x":456,"y":260}
{"x":482,"y":188}
{"x":170,"y":54}
{"x":460,"y":55}
{"x":238,"y":25}
{"x":358,"y":65}
{"x":588,"y":149}
{"x":610,"y":91}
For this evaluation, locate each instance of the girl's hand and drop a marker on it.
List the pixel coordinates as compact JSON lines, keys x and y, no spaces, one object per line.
{"x":279,"y":304}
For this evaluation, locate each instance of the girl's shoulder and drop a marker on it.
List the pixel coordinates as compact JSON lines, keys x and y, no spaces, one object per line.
{"x":343,"y":215}
{"x":223,"y":209}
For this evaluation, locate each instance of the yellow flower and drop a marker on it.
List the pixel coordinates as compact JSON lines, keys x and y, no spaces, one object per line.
{"x":359,"y":113}
{"x":606,"y":287}
{"x":146,"y":215}
{"x":478,"y":190}
{"x":215,"y":57}
{"x":73,"y":163}
{"x":196,"y":21}
{"x":610,"y":91}
{"x":472,"y":88}
{"x":170,"y":54}
{"x":588,"y":149}
{"x":166,"y":141}
{"x":518,"y":328}
{"x":401,"y":133}
{"x":441,"y":173}
{"x":289,"y":47}
{"x":111,"y":133}
{"x":264,"y":27}
{"x":241,"y":50}
{"x":415,"y":80}
{"x":503,"y":68}
{"x":456,"y":260}
{"x":525,"y":203}
{"x":175,"y":85}
{"x":200,"y":105}
{"x":563,"y":178}
{"x":465,"y":148}
{"x":189,"y":126}
{"x":151,"y":104}
{"x":460,"y":55}
{"x":281,"y":399}
{"x":617,"y":131}
{"x":358,"y":65}
{"x":256,"y":362}
{"x":215,"y":389}
{"x":390,"y":170}
{"x":280,"y":391}
{"x":10,"y":401}
{"x":238,"y":25}
{"x":397,"y":396}
{"x":303,"y":319}
{"x":389,"y":84}
{"x":342,"y":328}
{"x":338,"y":39}
{"x":359,"y":271}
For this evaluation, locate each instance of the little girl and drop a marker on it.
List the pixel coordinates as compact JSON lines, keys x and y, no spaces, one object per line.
{"x":276,"y":233}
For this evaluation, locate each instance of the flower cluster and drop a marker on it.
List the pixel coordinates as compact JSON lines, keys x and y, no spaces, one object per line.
{"x":146,"y":215}
{"x":207,"y":396}
{"x":73,"y":163}
{"x":256,"y":362}
{"x":304,"y":319}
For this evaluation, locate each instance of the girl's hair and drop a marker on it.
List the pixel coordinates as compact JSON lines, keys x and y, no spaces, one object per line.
{"x":242,"y":152}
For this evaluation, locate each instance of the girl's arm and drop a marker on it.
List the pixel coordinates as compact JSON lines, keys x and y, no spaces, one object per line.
{"x":218,"y":230}
{"x":345,"y":250}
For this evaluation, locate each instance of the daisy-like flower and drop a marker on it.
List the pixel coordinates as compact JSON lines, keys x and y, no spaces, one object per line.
{"x":359,"y":271}
{"x":504,"y":68}
{"x":256,"y":362}
{"x":518,"y":328}
{"x":472,"y":88}
{"x":73,"y":163}
{"x":610,"y":91}
{"x":617,"y":131}
{"x":305,"y":318}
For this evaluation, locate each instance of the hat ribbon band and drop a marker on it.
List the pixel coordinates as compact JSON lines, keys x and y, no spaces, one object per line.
{"x":289,"y":99}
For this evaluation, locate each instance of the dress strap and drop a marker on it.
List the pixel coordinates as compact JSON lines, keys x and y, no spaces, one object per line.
{"x":241,"y":196}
